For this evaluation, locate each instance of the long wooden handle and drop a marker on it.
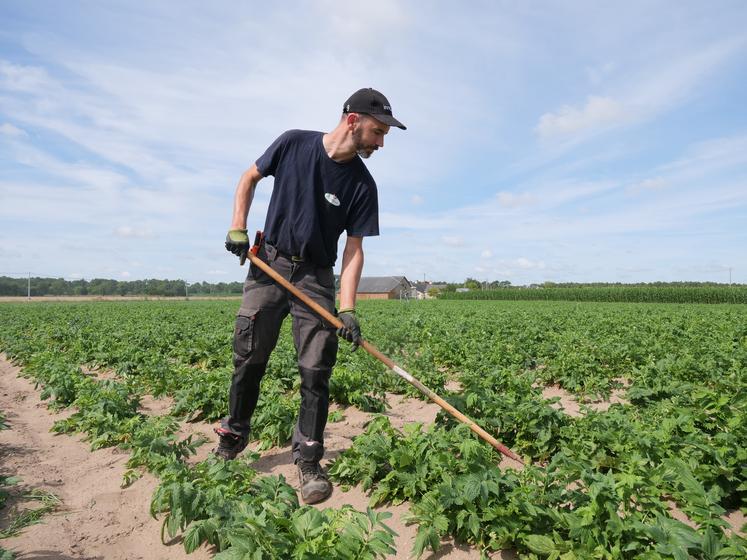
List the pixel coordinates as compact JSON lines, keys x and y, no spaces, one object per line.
{"x":376,"y":353}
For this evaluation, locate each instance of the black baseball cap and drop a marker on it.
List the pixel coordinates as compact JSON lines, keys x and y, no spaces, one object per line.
{"x":371,"y":102}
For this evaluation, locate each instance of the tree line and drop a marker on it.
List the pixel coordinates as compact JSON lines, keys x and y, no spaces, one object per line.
{"x":178,"y":288}
{"x":107,"y":287}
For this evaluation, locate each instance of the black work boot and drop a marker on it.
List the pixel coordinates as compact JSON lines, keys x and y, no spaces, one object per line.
{"x":315,"y":487}
{"x":229,"y":444}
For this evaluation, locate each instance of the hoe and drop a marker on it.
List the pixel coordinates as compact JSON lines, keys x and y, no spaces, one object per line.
{"x":375,"y":352}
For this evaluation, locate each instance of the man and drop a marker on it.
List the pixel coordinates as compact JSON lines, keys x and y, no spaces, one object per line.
{"x":322,"y":188}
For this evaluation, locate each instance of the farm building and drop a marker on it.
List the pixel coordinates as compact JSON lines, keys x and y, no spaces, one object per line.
{"x":420,"y":290}
{"x":384,"y":287}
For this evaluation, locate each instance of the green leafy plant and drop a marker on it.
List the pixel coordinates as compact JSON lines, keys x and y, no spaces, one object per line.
{"x":22,"y":518}
{"x":601,"y":486}
{"x":227,"y":505}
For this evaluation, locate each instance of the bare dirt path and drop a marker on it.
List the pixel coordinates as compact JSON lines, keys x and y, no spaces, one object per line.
{"x":100,"y":520}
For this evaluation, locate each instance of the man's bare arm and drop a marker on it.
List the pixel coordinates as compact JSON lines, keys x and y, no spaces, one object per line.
{"x":352,"y":266}
{"x":244,"y":195}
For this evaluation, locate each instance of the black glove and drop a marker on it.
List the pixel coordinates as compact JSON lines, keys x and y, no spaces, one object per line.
{"x":237,"y":242}
{"x":351,"y":331}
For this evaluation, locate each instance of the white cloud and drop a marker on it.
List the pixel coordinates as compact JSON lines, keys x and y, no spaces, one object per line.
{"x":129,"y":231}
{"x":551,"y":193}
{"x":597,"y":114}
{"x":7,"y":129}
{"x":416,"y":200}
{"x":598,"y":74}
{"x":453,"y":240}
{"x":486,"y":254}
{"x":355,"y":23}
{"x":97,"y":176}
{"x":655,"y":183}
{"x":660,"y":85}
{"x":25,"y":79}
{"x":512,"y":200}
{"x":514,"y":267}
{"x":391,"y":220}
{"x":650,"y":184}
{"x":671,"y":80}
{"x":525,"y":263}
{"x":710,"y":156}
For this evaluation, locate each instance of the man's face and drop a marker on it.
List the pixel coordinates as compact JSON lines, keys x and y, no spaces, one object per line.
{"x":368,"y":135}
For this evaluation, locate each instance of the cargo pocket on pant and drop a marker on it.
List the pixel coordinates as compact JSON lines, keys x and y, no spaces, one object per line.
{"x":243,"y":336}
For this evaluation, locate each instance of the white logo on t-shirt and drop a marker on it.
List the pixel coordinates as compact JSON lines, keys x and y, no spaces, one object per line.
{"x":332,"y":199}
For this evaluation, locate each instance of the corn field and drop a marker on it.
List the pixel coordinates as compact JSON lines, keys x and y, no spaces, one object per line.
{"x":631,"y":294}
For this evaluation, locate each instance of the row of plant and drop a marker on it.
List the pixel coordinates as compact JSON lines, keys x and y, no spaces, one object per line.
{"x":683,"y":366}
{"x":223,"y":504}
{"x":639,"y":294}
{"x":565,"y":509}
{"x":690,"y":451}
{"x":588,"y":349}
{"x":685,"y":369}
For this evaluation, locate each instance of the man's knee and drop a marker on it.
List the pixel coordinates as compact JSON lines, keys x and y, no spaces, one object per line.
{"x":320,"y":353}
{"x":315,"y":380}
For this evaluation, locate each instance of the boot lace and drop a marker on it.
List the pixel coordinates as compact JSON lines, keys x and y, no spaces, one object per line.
{"x":312,"y":470}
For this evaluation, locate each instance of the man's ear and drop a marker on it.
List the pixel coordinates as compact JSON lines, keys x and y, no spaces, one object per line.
{"x":352,"y":118}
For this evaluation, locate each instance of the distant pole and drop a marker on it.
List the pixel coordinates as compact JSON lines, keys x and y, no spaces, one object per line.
{"x":729,"y":276}
{"x":186,"y":290}
{"x":28,"y":296}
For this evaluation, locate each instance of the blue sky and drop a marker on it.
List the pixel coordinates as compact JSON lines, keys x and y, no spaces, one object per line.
{"x":546,"y":141}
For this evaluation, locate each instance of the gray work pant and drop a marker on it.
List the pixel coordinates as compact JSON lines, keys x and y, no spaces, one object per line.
{"x":264,"y":306}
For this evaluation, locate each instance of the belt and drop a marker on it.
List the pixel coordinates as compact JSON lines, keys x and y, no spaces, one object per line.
{"x":293,"y":258}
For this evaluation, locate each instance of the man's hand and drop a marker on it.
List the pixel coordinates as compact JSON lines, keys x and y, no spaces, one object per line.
{"x":237,"y":242}
{"x":351,"y":331}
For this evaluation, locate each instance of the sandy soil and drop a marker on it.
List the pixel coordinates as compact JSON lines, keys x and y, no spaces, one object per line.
{"x":570,"y":406}
{"x":100,"y":520}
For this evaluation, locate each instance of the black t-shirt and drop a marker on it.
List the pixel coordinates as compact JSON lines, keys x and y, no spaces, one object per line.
{"x":316,"y":198}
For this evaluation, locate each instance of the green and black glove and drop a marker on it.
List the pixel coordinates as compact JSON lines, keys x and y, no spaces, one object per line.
{"x":351,"y":331}
{"x":237,"y":242}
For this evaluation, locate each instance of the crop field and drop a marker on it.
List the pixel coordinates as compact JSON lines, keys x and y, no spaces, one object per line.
{"x":629,"y":294}
{"x":658,"y":471}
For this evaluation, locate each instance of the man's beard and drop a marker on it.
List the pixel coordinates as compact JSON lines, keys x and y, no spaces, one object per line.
{"x":362,"y":149}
